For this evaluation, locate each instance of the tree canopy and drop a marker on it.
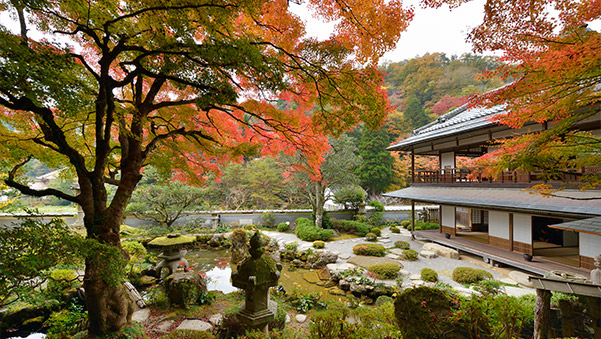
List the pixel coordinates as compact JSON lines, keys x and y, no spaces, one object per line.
{"x":183,"y":85}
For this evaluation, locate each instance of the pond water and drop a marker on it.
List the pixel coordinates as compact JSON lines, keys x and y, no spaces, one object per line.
{"x":215,"y":266}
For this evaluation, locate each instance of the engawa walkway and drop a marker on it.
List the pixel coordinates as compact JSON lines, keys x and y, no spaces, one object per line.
{"x":538,"y":265}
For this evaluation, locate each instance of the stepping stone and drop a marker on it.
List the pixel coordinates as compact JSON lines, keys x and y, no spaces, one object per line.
{"x":344,"y":256}
{"x":392,"y":256}
{"x":216,"y":319}
{"x":405,"y":273}
{"x":288,"y":320}
{"x":415,"y":277}
{"x":396,"y":251}
{"x":165,"y":325}
{"x":428,"y":254}
{"x":521,"y":278}
{"x":301,"y":318}
{"x":141,"y":316}
{"x":195,"y":324}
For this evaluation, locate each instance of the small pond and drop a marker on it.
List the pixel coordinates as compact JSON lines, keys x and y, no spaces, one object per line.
{"x":215,"y":265}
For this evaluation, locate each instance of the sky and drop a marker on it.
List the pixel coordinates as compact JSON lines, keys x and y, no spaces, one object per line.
{"x":430,"y":31}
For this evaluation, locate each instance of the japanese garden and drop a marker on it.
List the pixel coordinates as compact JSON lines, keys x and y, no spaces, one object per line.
{"x":216,"y":169}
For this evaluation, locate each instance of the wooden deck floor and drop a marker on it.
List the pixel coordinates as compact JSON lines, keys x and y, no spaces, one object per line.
{"x":539,"y":264}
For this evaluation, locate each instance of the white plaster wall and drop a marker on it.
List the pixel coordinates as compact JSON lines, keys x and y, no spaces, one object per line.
{"x":447,"y":159}
{"x":590,"y":245}
{"x":447,"y":216}
{"x":522,"y":228}
{"x":498,"y":224}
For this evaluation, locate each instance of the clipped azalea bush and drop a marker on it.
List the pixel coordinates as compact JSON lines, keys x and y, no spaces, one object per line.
{"x":371,"y":237}
{"x":404,"y":245}
{"x":469,"y":275}
{"x":376,"y":231}
{"x":307,"y":231}
{"x":283,"y":226}
{"x":406,"y":223}
{"x":373,"y":250}
{"x":385,"y":271}
{"x":429,"y":275}
{"x":395,"y":229}
{"x":319,"y":244}
{"x":410,"y":255}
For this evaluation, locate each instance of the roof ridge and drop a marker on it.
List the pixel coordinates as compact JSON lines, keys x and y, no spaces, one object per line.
{"x":442,"y":118}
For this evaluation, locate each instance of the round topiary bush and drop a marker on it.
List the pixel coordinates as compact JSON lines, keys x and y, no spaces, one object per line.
{"x":376,"y":231}
{"x":385,"y":271}
{"x":371,"y":237}
{"x":429,"y":275}
{"x":469,"y":275}
{"x":406,"y":223}
{"x":319,"y":244}
{"x":409,"y":255}
{"x":395,"y":229}
{"x":373,"y":250}
{"x":401,"y":244}
{"x":283,"y":226}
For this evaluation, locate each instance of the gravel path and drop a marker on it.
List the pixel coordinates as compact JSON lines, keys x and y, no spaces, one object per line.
{"x":444,"y":266}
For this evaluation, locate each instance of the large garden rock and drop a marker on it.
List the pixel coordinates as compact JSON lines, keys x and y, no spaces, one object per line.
{"x":423,"y":313}
{"x":360,"y":289}
{"x":324,"y":257}
{"x":184,"y":288}
{"x":334,"y":269}
{"x":216,"y":240}
{"x":442,"y":251}
{"x":428,"y":254}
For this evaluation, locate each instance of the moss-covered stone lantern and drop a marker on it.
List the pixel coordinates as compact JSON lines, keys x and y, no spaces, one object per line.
{"x":173,"y":253}
{"x":256,"y":275}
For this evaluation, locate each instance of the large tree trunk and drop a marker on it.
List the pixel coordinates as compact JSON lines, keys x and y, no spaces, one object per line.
{"x":318,"y":204}
{"x":542,"y":315}
{"x":110,"y":306}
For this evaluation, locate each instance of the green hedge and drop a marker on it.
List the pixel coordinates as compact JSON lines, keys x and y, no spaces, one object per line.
{"x":373,"y":250}
{"x":307,"y":231}
{"x":401,"y":244}
{"x":385,"y":271}
{"x":429,"y":275}
{"x":351,"y":227}
{"x":469,"y":275}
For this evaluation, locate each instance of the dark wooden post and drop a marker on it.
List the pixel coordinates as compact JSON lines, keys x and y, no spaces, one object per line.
{"x":568,"y":323}
{"x":594,"y":306}
{"x":412,"y":165}
{"x":542,"y":314}
{"x":412,"y":219}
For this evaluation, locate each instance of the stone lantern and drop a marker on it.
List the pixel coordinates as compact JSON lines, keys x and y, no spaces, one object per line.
{"x":256,"y":275}
{"x":173,"y":253}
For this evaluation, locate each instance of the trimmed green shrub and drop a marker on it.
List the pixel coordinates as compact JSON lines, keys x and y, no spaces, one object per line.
{"x":429,"y":275}
{"x":420,"y":225}
{"x":283,"y":227}
{"x":373,"y":250}
{"x":306,"y":231}
{"x":371,"y":237}
{"x":319,"y":244}
{"x":385,"y":271}
{"x":409,"y":255}
{"x":401,"y":244}
{"x":469,"y":275}
{"x":351,"y":227}
{"x":376,"y":231}
{"x":378,"y":206}
{"x":395,"y":229}
{"x":268,"y":219}
{"x":406,"y":223}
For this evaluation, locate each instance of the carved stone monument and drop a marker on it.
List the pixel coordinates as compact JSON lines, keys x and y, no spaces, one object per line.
{"x":173,"y":253}
{"x":596,"y":272}
{"x":256,"y":275}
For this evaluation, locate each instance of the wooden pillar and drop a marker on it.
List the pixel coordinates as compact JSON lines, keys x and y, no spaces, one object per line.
{"x":594,"y":306}
{"x":412,"y":165}
{"x":568,"y":321}
{"x":542,"y":315}
{"x":412,"y":218}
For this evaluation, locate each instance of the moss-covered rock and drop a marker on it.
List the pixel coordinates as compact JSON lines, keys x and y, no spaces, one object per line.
{"x":184,"y":288}
{"x":423,"y":312}
{"x":172,"y":240}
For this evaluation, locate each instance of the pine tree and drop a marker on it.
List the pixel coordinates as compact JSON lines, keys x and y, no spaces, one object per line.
{"x":375,"y":172}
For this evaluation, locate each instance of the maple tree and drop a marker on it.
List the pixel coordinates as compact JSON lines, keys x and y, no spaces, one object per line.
{"x":184,"y":85}
{"x":555,"y":61}
{"x":336,"y":171}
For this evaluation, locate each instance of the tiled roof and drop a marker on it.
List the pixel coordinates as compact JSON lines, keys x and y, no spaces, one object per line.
{"x":509,"y":199}
{"x":591,"y":225}
{"x":457,"y":121}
